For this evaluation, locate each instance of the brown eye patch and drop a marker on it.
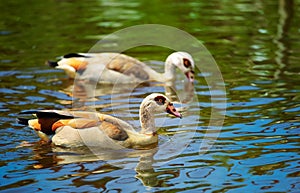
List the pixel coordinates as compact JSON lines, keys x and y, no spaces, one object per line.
{"x":187,"y":63}
{"x":160,"y":100}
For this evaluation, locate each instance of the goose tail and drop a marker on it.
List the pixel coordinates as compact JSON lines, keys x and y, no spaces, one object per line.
{"x":22,"y":121}
{"x":51,"y":63}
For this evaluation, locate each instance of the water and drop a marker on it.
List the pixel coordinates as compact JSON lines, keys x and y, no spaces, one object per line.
{"x":256,"y":46}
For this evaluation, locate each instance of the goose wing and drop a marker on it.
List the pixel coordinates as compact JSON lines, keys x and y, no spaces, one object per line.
{"x":48,"y":121}
{"x":127,"y":65}
{"x":116,"y":65}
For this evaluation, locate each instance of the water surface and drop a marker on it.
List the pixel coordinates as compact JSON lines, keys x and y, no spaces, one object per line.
{"x":256,"y":46}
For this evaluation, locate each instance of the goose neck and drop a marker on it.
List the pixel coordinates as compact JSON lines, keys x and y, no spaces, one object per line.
{"x":170,"y":70}
{"x":147,"y":121}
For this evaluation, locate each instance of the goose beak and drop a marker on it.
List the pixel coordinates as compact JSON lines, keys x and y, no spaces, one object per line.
{"x":190,"y":76}
{"x":171,"y":110}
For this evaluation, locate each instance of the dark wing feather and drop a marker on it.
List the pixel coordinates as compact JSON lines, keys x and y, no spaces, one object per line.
{"x":48,"y":114}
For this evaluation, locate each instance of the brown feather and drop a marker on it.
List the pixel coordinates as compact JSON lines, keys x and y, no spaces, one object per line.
{"x":128,"y":66}
{"x":113,"y":131}
{"x":82,"y":123}
{"x":46,"y":125}
{"x":110,"y":129}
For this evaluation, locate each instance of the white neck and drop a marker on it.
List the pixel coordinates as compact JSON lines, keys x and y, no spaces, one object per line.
{"x":168,"y":75}
{"x":170,"y":70}
{"x":146,"y":120}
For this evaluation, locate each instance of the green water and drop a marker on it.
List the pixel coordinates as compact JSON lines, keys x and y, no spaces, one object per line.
{"x":256,"y":46}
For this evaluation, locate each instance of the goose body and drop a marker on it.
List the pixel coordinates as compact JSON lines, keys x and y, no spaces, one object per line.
{"x":111,"y":67}
{"x":77,"y":128}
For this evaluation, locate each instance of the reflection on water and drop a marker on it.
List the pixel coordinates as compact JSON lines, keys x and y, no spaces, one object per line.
{"x":256,"y":45}
{"x":274,"y":67}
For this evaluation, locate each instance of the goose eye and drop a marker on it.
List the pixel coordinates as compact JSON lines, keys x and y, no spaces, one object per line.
{"x":186,"y":63}
{"x":160,"y":100}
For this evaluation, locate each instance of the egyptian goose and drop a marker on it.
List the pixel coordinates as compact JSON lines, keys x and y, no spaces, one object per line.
{"x":77,"y":128}
{"x":112,"y":67}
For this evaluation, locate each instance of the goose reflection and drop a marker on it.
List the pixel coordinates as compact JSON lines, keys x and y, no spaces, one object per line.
{"x":85,"y":95}
{"x":141,"y":161}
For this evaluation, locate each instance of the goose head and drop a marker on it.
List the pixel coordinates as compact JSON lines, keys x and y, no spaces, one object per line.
{"x":183,"y":61}
{"x":158,"y":103}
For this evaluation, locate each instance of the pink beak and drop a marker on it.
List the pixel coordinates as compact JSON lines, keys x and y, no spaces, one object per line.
{"x":171,"y":110}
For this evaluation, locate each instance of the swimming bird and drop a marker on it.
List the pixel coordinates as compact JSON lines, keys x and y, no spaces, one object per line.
{"x":111,"y":67}
{"x":78,"y":128}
